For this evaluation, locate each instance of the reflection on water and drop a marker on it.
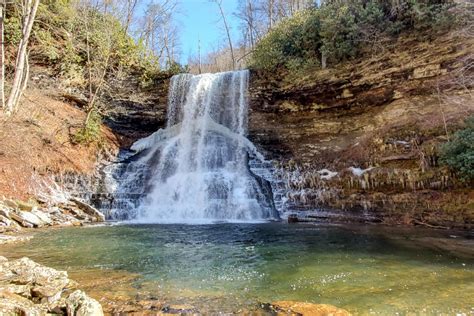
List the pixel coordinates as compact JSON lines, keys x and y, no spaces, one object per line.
{"x":227,"y":267}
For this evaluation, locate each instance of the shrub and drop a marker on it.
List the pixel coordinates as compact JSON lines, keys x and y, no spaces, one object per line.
{"x":59,"y":40}
{"x":292,"y":42}
{"x":89,"y":133}
{"x":341,"y":29}
{"x":458,"y":154}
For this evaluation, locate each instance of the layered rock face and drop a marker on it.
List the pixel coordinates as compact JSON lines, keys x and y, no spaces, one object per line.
{"x":136,"y":112}
{"x":363,"y":137}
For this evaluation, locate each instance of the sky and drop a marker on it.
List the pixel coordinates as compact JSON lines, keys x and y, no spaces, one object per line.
{"x":200,"y":19}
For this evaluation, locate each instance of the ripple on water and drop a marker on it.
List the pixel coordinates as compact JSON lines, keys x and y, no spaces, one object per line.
{"x":228,"y":267}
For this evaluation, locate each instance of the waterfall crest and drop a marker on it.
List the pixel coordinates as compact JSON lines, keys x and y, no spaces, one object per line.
{"x":197,"y":168}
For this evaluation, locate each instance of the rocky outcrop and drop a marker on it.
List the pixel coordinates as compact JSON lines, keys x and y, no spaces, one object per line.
{"x":15,"y":215}
{"x":375,"y":124}
{"x":28,"y":288}
{"x":135,"y":112}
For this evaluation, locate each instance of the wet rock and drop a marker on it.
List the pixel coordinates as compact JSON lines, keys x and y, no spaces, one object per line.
{"x":306,"y":309}
{"x":90,"y":210}
{"x":179,"y":310}
{"x":79,"y":304}
{"x":293,"y":218}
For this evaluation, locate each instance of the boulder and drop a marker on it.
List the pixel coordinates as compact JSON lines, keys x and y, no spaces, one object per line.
{"x":26,"y":219}
{"x":47,"y":284}
{"x":79,"y":304}
{"x":88,"y":209}
{"x":28,"y":288}
{"x":44,"y":217}
{"x":13,"y":304}
{"x":306,"y":309}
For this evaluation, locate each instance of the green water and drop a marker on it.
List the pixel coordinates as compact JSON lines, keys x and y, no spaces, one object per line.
{"x":230,"y":267}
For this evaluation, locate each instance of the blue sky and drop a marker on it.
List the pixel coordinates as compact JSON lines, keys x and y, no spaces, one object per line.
{"x":201,"y":19}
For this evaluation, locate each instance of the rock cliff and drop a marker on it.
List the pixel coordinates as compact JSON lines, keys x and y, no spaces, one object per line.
{"x":363,"y":137}
{"x":360,"y":138}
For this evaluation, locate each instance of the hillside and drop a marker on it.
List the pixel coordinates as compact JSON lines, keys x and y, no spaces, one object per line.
{"x":38,"y":145}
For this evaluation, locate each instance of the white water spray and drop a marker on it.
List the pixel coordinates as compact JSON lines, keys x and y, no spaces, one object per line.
{"x":197,"y":168}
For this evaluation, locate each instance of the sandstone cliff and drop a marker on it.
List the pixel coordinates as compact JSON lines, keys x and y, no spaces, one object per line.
{"x":375,"y":124}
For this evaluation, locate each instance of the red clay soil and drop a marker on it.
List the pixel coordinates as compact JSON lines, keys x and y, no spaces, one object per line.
{"x":36,"y":141}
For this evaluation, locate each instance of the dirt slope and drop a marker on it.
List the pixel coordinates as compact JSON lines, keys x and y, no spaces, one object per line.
{"x":35,"y":143}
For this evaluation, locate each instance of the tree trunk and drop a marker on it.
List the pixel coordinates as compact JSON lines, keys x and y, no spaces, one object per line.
{"x":224,"y":20}
{"x":2,"y":55}
{"x":131,"y":5}
{"x":31,"y":6}
{"x":270,"y":14}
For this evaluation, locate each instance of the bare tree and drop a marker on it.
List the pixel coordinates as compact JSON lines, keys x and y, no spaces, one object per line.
{"x":259,"y":16}
{"x":249,"y":15}
{"x":199,"y":56}
{"x":98,"y":60}
{"x":28,"y":8}
{"x":159,"y":32}
{"x":2,"y":54}
{"x":227,"y":30}
{"x":130,"y":7}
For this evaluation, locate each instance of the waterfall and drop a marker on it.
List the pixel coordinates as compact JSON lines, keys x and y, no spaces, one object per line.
{"x":197,"y":168}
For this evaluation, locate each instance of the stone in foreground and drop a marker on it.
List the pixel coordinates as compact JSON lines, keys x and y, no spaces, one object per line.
{"x":79,"y":304}
{"x":28,"y":288}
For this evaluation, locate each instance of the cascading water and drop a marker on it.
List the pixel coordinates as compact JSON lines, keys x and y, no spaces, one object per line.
{"x":197,"y":168}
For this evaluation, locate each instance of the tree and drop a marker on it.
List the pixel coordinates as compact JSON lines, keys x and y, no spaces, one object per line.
{"x":20,"y":79}
{"x":159,"y":33}
{"x":98,"y":53}
{"x":227,"y":30}
{"x":130,"y":6}
{"x":2,"y":54}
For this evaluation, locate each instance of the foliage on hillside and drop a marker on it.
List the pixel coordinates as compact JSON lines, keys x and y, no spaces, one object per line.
{"x":341,"y":30}
{"x":89,"y":51}
{"x":65,"y":32}
{"x":458,"y":154}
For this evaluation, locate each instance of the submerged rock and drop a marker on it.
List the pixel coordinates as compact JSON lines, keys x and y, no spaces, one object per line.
{"x":306,"y":309}
{"x":6,"y":239}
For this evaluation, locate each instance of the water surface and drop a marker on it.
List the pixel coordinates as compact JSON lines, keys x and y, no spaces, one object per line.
{"x":233,"y":267}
